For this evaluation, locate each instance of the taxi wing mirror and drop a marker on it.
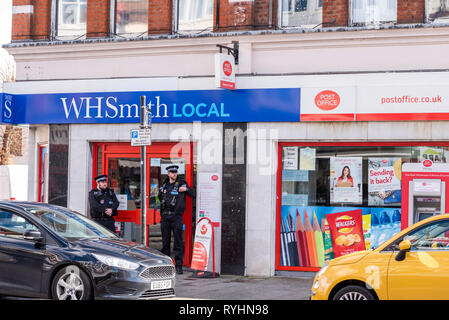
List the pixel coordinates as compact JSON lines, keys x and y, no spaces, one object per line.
{"x":404,"y":246}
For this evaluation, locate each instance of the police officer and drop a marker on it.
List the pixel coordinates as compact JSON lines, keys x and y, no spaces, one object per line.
{"x":103,"y":203}
{"x":173,"y":203}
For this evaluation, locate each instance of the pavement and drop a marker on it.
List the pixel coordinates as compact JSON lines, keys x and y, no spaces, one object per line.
{"x":228,"y":287}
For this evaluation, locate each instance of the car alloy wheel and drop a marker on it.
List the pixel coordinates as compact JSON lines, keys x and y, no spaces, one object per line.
{"x":71,"y":283}
{"x":353,"y":293}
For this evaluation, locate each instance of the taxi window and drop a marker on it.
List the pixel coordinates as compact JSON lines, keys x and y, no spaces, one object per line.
{"x":432,"y":236}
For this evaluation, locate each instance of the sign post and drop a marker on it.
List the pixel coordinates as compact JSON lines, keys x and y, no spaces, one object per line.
{"x":142,"y":137}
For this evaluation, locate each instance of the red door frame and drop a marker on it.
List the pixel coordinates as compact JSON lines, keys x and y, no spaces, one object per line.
{"x":159,"y":150}
{"x":39,"y":171}
{"x":327,"y":144}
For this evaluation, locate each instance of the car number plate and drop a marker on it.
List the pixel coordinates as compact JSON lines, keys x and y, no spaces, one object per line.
{"x":157,"y":285}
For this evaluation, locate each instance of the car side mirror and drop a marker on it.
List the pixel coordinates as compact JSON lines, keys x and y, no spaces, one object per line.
{"x":34,"y":235}
{"x":404,"y":246}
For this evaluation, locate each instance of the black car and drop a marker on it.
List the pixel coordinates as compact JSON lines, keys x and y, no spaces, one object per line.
{"x":52,"y":252}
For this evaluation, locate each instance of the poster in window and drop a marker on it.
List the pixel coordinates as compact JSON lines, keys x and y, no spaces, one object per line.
{"x":307,"y":159}
{"x":310,"y":236}
{"x":430,"y":153}
{"x":290,"y":158}
{"x":384,"y":181}
{"x":346,"y":180}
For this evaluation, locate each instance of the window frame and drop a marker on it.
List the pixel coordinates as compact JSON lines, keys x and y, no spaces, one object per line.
{"x":54,"y":23}
{"x":23,"y":217}
{"x":280,"y":24}
{"x":427,"y":15}
{"x":394,"y":246}
{"x":377,"y":23}
{"x":176,"y":19}
{"x":113,"y":24}
{"x":302,"y":143}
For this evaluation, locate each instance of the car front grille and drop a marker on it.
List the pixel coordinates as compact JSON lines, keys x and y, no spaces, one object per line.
{"x":159,"y":272}
{"x":154,"y":294}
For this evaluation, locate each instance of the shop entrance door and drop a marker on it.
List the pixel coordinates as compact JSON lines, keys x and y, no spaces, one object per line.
{"x":121,"y":163}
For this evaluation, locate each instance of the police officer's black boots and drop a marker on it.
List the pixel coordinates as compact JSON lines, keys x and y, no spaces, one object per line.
{"x":179,"y":269}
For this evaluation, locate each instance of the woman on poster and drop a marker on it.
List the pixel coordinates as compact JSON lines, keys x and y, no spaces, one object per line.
{"x":345,"y":180}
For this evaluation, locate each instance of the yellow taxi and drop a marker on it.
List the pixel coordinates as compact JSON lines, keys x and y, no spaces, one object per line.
{"x":412,"y":265}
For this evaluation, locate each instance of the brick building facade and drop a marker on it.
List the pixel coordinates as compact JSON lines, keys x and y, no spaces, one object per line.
{"x":34,"y":23}
{"x":360,"y":51}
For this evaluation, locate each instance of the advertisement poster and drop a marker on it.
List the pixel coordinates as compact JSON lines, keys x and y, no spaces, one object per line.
{"x":202,"y":245}
{"x":346,"y":180}
{"x":312,"y":235}
{"x":307,"y":159}
{"x":209,"y":196}
{"x":431,"y":153}
{"x":384,"y":181}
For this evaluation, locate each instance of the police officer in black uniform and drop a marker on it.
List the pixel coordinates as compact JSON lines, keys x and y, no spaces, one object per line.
{"x":173,"y":203}
{"x":103,"y":203}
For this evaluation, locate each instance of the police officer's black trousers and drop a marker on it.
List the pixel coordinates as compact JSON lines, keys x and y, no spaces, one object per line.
{"x":107,"y":223}
{"x":173,"y":223}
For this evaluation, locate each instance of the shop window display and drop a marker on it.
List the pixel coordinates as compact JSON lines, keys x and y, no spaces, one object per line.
{"x":339,"y":199}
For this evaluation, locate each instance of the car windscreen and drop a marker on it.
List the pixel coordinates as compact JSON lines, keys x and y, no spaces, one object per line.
{"x":69,"y":224}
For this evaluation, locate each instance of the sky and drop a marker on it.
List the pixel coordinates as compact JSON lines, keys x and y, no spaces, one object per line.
{"x":5,"y":21}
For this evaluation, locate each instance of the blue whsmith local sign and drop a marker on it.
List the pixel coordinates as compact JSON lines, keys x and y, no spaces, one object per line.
{"x":246,"y":105}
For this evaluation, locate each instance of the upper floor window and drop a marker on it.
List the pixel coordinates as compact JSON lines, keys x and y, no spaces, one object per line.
{"x":438,"y":11}
{"x":373,"y":12}
{"x":131,"y":17}
{"x":195,"y":15}
{"x":72,"y":17}
{"x":301,"y":13}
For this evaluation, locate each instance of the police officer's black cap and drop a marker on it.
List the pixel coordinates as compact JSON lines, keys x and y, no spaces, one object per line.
{"x":173,"y":168}
{"x":101,"y":177}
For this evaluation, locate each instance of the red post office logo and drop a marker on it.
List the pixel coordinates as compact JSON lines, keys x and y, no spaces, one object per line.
{"x":227,"y":68}
{"x":427,"y":163}
{"x":214,"y":177}
{"x":327,"y":100}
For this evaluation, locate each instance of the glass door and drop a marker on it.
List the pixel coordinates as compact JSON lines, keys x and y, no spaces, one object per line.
{"x":124,"y":178}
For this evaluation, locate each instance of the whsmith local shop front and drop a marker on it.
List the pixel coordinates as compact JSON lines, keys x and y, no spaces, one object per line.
{"x":319,"y":165}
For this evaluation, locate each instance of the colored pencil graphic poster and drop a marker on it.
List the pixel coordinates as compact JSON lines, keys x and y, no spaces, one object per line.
{"x":384,"y":181}
{"x":306,"y":237}
{"x":346,"y":180}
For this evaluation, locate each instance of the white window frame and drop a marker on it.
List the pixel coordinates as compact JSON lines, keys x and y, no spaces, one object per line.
{"x":113,"y":24}
{"x":371,"y":22}
{"x":176,"y":13}
{"x":431,"y":5}
{"x":313,"y":9}
{"x":57,"y":14}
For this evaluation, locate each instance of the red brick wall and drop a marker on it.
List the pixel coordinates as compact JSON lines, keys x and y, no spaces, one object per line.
{"x":411,"y":11}
{"x":41,"y":20}
{"x":335,"y":13}
{"x":21,"y":23}
{"x":262,"y":12}
{"x":98,"y":17}
{"x":160,"y":16}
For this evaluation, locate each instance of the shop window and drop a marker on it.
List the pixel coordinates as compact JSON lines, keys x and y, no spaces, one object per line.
{"x":373,"y":12}
{"x":195,"y":15}
{"x":339,"y":199}
{"x":72,"y":18}
{"x":438,"y":11}
{"x":301,"y":13}
{"x":131,"y":18}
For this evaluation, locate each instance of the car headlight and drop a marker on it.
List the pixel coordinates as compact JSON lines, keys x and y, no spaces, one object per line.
{"x":116,"y":262}
{"x":322,"y":270}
